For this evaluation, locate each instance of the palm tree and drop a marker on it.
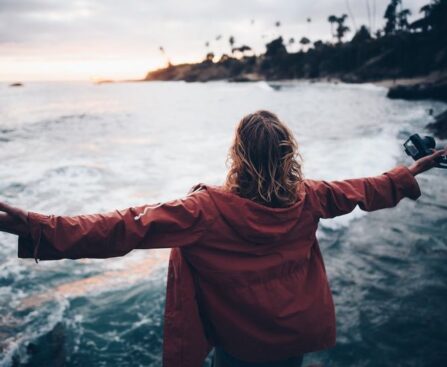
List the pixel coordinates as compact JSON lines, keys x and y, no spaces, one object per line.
{"x":162,"y":50}
{"x":308,"y":21}
{"x":291,"y":41}
{"x":402,"y":18}
{"x":231,"y":41}
{"x":342,"y":29}
{"x":426,"y":9}
{"x":332,"y":19}
{"x":390,"y":16}
{"x":243,"y":49}
{"x":304,"y":42}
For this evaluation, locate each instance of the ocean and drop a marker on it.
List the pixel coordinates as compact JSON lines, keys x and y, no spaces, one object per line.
{"x":74,"y":148}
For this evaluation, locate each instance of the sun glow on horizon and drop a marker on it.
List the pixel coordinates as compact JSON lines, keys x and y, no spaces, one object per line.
{"x":43,"y":69}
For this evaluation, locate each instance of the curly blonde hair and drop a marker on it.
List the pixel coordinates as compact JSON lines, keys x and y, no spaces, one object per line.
{"x":265,"y":165}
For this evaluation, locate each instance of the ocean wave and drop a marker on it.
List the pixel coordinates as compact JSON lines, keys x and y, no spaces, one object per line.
{"x":43,"y":321}
{"x":265,"y":86}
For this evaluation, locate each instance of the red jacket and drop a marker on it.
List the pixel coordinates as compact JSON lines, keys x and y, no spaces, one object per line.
{"x":241,"y":275}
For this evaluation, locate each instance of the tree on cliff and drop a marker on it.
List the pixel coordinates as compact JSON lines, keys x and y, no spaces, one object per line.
{"x":438,"y":18}
{"x":242,"y":50}
{"x":332,"y":19}
{"x":162,"y":50}
{"x":231,"y":41}
{"x":342,"y":29}
{"x":362,"y":35}
{"x":391,"y":16}
{"x":275,"y":48}
{"x":426,"y":9}
{"x":304,"y":42}
{"x":402,"y":19}
{"x":434,"y":20}
{"x":209,"y":57}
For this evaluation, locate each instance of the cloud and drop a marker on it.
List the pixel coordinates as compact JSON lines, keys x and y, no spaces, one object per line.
{"x":34,"y":21}
{"x":96,"y":28}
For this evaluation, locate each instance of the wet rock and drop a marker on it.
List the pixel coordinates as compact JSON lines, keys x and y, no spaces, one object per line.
{"x":436,"y":90}
{"x":439,"y":127}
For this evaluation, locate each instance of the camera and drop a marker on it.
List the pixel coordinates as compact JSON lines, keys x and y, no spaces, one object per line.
{"x":418,"y":147}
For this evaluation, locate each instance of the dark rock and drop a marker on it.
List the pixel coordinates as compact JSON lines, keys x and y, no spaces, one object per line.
{"x":16,"y":85}
{"x":439,"y":127}
{"x":246,"y":78}
{"x":351,"y":78}
{"x":437,"y":91}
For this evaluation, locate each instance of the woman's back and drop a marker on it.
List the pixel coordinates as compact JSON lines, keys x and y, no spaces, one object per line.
{"x":262,"y":285}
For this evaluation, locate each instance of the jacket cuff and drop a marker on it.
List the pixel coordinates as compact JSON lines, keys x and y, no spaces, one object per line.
{"x":405,"y":182}
{"x":28,"y":246}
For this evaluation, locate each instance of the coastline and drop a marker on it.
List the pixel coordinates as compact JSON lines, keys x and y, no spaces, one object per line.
{"x":432,"y":86}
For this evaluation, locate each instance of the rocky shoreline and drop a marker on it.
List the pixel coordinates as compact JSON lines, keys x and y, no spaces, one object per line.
{"x":409,"y":59}
{"x":431,"y":86}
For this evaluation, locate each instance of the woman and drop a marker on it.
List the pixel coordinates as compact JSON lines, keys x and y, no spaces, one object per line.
{"x":246,"y":275}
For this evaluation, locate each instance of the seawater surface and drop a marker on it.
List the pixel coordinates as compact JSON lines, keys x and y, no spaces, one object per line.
{"x":75,"y":148}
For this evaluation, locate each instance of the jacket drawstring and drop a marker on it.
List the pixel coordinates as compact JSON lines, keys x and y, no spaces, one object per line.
{"x":36,"y":246}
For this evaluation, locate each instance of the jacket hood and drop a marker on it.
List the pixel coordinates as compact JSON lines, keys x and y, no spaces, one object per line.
{"x":252,"y":221}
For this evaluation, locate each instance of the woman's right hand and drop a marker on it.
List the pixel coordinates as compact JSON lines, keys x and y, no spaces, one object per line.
{"x":13,"y":220}
{"x":425,"y":163}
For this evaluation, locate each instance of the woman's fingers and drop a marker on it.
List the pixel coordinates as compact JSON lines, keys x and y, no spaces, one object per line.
{"x":439,"y":153}
{"x":4,"y":217}
{"x":6,"y":208}
{"x":430,"y":161}
{"x":15,"y":212}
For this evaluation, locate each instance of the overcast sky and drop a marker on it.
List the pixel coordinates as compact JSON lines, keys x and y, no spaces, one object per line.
{"x":85,"y":39}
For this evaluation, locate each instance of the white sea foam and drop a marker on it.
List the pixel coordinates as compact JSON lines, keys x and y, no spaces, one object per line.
{"x":264,"y":86}
{"x":16,"y":346}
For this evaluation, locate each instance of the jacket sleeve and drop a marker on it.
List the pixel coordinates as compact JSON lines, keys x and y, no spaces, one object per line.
{"x":334,"y":198}
{"x":175,"y":223}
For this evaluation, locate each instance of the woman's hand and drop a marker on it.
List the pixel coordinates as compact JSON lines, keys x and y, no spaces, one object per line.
{"x":426,"y":163}
{"x":13,"y":220}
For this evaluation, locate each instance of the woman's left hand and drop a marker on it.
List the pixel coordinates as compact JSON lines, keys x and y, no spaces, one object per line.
{"x":426,"y":163}
{"x":13,"y":220}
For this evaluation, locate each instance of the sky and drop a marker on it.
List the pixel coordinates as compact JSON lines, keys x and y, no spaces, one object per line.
{"x":117,"y":39}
